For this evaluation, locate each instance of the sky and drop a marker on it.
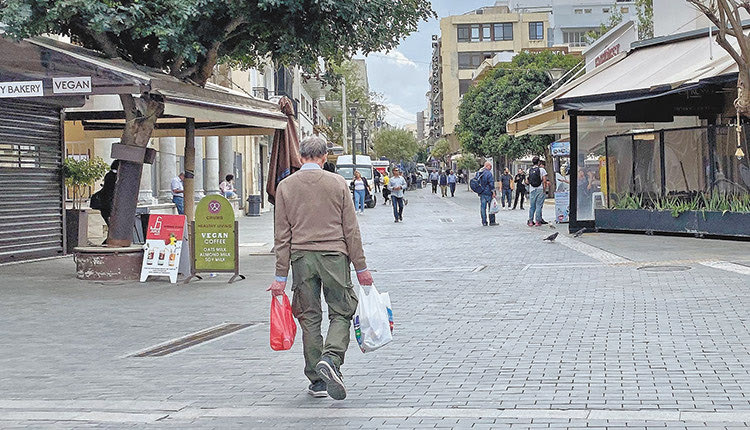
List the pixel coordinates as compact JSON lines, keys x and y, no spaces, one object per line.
{"x":402,"y":75}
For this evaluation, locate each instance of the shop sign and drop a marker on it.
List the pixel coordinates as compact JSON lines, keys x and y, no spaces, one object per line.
{"x":606,"y":55}
{"x":163,"y":248}
{"x":71,"y":85}
{"x":562,"y":206}
{"x":215,"y":236}
{"x":560,"y":149}
{"x":21,"y":89}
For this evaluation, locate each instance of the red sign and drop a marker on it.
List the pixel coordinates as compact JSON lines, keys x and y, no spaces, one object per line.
{"x":606,"y":55}
{"x":164,"y":227}
{"x":163,"y":247}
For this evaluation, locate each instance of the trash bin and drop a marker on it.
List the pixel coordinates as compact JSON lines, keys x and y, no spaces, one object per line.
{"x":253,"y":205}
{"x":140,"y":227}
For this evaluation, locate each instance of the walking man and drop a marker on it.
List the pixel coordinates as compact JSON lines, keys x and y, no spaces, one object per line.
{"x":537,"y":181}
{"x":443,"y":184}
{"x":434,"y":177}
{"x":320,"y":236}
{"x":178,"y":193}
{"x":520,"y":180}
{"x":376,"y":179}
{"x":507,"y":190}
{"x":397,"y":185}
{"x":452,"y":182}
{"x":487,"y":182}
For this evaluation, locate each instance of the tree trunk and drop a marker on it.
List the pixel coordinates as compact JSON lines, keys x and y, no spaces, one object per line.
{"x":140,"y":120}
{"x":550,"y":172}
{"x":743,"y":92}
{"x":189,"y":183}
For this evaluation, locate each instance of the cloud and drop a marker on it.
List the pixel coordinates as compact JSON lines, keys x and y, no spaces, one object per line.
{"x":396,"y":57}
{"x":397,"y":116}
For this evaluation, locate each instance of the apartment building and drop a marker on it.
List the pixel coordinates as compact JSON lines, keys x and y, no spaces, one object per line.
{"x":468,"y":40}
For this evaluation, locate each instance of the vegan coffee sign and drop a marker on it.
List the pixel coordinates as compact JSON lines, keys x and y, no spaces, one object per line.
{"x":215,"y":237}
{"x":63,"y":85}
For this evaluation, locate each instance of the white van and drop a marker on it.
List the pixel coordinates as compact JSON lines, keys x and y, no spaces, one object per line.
{"x":345,"y":167}
{"x":422,"y":170}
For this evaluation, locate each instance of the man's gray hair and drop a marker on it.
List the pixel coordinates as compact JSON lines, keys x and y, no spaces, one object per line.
{"x":313,"y":147}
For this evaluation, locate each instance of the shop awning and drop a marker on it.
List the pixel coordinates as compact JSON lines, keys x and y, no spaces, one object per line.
{"x":213,"y":107}
{"x":659,"y":67}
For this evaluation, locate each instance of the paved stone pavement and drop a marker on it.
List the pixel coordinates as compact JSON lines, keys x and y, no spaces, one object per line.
{"x":494,"y":329}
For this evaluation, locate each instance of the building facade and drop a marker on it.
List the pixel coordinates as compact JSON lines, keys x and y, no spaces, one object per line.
{"x":467,"y":41}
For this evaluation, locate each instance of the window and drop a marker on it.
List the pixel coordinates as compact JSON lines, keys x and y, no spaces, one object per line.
{"x":486,"y":32}
{"x":464,"y":60}
{"x":463,"y":86}
{"x":574,"y":38}
{"x":536,"y":30}
{"x":578,"y":11}
{"x":475,"y":33}
{"x":504,"y":31}
{"x":625,"y":9}
{"x":605,"y":10}
{"x":472,"y":60}
{"x":587,"y":11}
{"x":463,"y":33}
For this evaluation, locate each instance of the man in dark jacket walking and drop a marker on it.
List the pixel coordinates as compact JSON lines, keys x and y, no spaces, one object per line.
{"x":487,"y":182}
{"x":520,"y":179}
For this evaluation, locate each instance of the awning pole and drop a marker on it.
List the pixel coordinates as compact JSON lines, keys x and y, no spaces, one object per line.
{"x":189,"y":184}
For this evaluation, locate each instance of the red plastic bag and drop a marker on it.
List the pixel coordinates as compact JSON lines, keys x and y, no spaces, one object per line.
{"x":283,"y":327}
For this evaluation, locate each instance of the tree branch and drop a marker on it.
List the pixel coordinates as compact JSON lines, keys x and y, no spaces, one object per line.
{"x":206,"y":67}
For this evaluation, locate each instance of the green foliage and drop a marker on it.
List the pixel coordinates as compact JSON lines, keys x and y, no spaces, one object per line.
{"x":677,"y":205}
{"x":645,"y":17}
{"x":423,"y":155}
{"x":396,"y":145}
{"x":468,"y":162}
{"x":441,"y":150}
{"x":486,"y":108}
{"x":82,"y":173}
{"x":615,"y":18}
{"x":188,"y":37}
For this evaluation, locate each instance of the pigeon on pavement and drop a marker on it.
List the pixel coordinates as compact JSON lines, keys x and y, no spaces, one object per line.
{"x":551,"y":238}
{"x":580,"y":232}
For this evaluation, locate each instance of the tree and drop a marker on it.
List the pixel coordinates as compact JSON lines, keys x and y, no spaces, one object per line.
{"x":725,"y":15}
{"x":441,"y":150}
{"x":396,"y":145}
{"x":82,"y":173}
{"x":469,"y":164}
{"x":187,"y":38}
{"x":486,"y":108}
{"x":645,"y":11}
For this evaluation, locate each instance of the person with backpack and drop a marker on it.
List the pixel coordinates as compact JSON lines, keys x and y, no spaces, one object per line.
{"x":537,"y":181}
{"x":484,"y":185}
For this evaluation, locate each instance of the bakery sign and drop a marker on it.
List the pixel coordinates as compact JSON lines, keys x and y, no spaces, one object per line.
{"x":606,"y":55}
{"x":63,"y":85}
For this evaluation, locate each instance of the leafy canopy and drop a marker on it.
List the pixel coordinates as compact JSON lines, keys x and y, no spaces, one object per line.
{"x":486,"y":108}
{"x":396,"y":145}
{"x":468,"y":162}
{"x":186,"y":38}
{"x":441,"y":150}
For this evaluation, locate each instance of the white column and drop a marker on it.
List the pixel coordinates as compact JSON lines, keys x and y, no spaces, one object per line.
{"x":167,"y":167}
{"x":198,"y":168}
{"x":146,"y":192}
{"x":211,"y":174}
{"x":226,"y":156}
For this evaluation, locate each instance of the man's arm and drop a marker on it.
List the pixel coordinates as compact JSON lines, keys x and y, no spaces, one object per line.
{"x":282,"y":236}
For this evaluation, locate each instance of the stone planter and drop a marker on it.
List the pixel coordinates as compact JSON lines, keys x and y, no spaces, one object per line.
{"x":76,"y":229}
{"x":108,"y":264}
{"x":690,"y":223}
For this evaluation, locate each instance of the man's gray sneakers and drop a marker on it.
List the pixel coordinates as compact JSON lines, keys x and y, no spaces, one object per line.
{"x":330,"y":374}
{"x":317,"y":389}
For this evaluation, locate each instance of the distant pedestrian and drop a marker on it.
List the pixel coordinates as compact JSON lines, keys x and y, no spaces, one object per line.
{"x":360,"y":187}
{"x":452,"y":182}
{"x":434,"y":178}
{"x":506,"y":188}
{"x":319,"y":237}
{"x":443,"y":184}
{"x":396,"y":185}
{"x":386,"y":191}
{"x":107,"y":193}
{"x":329,"y":167}
{"x":487,"y":182}
{"x":520,"y":180}
{"x":227,"y":187}
{"x":178,"y":193}
{"x":536,"y":180}
{"x":376,"y":179}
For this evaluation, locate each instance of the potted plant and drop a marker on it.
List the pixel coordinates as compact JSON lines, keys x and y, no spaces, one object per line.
{"x":79,"y":174}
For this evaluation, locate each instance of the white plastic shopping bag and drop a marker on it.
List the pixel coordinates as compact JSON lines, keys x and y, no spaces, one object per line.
{"x":494,"y":207}
{"x":372,"y":327}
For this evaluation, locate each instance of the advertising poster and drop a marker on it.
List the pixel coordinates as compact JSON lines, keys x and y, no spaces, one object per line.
{"x":214,"y":235}
{"x":562,"y":206}
{"x":163,"y":248}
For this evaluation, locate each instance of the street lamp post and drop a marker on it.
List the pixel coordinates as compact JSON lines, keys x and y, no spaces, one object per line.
{"x":353,"y":112}
{"x":362,"y":133}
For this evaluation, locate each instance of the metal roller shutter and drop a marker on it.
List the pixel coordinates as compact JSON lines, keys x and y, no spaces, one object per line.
{"x":31,"y":202}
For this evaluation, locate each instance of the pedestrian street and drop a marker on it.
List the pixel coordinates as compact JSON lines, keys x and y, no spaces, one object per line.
{"x":494,"y":328}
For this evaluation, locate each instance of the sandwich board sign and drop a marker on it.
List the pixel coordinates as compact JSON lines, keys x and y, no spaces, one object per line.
{"x":214,"y":240}
{"x":163,"y":249}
